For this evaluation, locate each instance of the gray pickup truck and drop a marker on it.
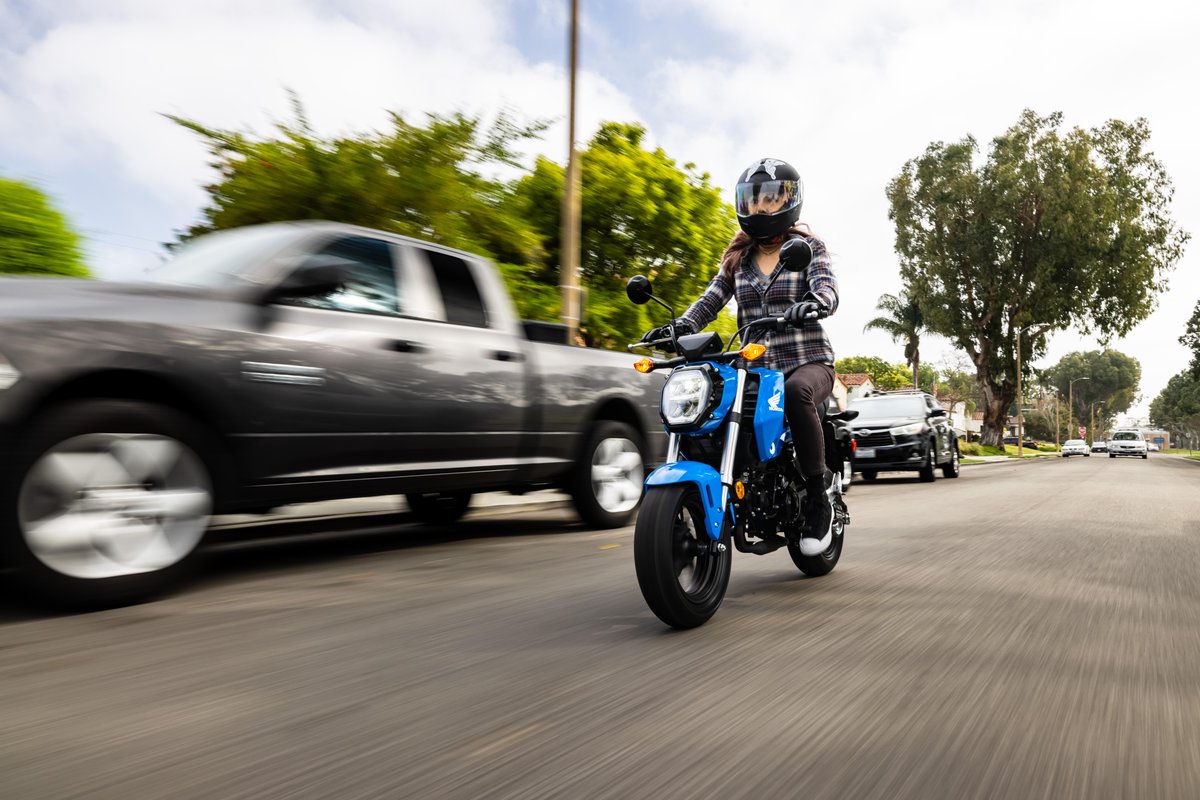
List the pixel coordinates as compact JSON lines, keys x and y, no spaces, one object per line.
{"x":286,"y":363}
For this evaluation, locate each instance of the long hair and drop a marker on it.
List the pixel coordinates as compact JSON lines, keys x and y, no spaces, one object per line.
{"x":741,"y":242}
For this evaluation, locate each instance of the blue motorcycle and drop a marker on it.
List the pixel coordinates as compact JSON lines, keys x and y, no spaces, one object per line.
{"x":724,"y":482}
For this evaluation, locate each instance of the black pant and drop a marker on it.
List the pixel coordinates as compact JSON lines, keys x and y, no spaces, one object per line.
{"x":807,"y":387}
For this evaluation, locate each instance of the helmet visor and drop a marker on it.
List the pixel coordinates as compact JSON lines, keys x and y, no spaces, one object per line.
{"x":765,"y":197}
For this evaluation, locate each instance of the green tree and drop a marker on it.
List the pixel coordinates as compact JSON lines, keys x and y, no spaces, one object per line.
{"x":1191,"y":340}
{"x":1110,"y":389}
{"x":1177,"y":408}
{"x":641,"y":214}
{"x":901,"y":319}
{"x":885,"y":376}
{"x":35,"y":238}
{"x":1054,"y":229}
{"x":957,"y":386}
{"x":423,"y":181}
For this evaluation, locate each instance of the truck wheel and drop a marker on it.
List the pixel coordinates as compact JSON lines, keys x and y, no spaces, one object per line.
{"x":607,"y":481}
{"x":106,"y":503}
{"x":927,"y":474}
{"x":951,"y":468}
{"x":438,"y":508}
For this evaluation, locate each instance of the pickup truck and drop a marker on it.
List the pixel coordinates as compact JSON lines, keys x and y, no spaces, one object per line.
{"x":285,"y":363}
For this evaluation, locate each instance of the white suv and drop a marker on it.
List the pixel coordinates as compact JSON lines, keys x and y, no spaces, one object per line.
{"x":1127,"y":443}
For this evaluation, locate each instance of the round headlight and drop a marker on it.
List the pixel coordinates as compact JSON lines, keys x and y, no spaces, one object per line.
{"x":685,"y":396}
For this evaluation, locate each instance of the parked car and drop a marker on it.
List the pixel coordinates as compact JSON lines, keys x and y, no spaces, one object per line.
{"x":1153,"y":447}
{"x":1029,"y":444}
{"x":287,"y":363}
{"x":902,"y":431}
{"x":1075,"y":447}
{"x":1127,"y":443}
{"x":1099,"y":446}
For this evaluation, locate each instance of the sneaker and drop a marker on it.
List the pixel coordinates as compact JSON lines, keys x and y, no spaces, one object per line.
{"x":817,"y":534}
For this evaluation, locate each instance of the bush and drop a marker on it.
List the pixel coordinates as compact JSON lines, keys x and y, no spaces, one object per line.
{"x":970,"y":448}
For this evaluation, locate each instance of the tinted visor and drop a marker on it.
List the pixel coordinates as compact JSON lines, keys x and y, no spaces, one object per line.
{"x":765,"y":197}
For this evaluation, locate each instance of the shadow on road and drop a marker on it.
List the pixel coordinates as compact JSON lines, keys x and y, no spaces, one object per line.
{"x":275,"y":546}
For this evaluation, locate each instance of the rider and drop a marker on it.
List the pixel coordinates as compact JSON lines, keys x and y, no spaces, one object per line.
{"x":767,"y":198}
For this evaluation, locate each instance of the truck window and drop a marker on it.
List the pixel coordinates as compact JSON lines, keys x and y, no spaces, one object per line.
{"x":460,"y":293}
{"x":373,"y":289}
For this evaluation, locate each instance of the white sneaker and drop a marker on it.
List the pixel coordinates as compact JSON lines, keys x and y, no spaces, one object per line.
{"x":818,"y":518}
{"x":814,"y":547}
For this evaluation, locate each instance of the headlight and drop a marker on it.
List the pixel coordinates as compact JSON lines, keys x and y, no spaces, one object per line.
{"x":8,"y":374}
{"x":686,"y":396}
{"x":908,"y":430}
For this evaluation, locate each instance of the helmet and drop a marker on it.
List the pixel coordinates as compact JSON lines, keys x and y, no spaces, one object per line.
{"x":767,"y":198}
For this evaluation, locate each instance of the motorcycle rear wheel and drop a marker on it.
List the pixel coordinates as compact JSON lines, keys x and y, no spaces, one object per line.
{"x":682,"y":573}
{"x":821,"y":563}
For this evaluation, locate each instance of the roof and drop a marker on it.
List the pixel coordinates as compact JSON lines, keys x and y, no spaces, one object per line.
{"x":855,"y":378}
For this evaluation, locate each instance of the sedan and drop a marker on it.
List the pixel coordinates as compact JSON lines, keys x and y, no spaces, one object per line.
{"x":1099,"y":446}
{"x":1075,"y":447}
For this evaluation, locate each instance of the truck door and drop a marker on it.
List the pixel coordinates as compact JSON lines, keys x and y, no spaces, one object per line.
{"x":479,"y":391}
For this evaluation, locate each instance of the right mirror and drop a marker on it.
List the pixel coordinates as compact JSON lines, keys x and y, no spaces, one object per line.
{"x":795,"y":255}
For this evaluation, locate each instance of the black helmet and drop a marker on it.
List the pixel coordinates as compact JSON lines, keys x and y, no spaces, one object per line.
{"x":767,"y":198}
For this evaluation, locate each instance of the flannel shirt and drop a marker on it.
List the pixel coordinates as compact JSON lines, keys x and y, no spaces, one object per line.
{"x":789,"y":348}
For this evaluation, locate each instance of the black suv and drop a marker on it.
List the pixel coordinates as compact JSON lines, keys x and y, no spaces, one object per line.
{"x":902,"y":431}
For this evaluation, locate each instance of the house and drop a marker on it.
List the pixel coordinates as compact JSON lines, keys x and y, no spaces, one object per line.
{"x":957,"y":411}
{"x":857,"y":384}
{"x":840,"y":393}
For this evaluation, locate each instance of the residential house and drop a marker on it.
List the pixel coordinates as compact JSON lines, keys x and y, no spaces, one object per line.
{"x":857,"y":384}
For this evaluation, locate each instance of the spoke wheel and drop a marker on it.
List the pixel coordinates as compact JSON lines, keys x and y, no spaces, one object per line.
{"x":606,"y":485}
{"x":107,"y":503}
{"x":683,"y":575}
{"x":950,"y":469}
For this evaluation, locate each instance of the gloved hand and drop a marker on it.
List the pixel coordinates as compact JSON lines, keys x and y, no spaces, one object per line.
{"x":681,"y":327}
{"x":805,"y":311}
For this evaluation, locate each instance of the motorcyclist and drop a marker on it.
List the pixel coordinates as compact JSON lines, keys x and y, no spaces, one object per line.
{"x":767,"y":198}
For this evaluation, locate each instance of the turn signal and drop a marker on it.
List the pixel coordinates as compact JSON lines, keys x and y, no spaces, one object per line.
{"x":643,"y":365}
{"x":752,"y":351}
{"x":739,"y":489}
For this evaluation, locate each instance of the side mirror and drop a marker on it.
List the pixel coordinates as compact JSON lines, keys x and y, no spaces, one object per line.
{"x":309,"y":280}
{"x":795,"y":255}
{"x":938,"y":412}
{"x":638,"y":290}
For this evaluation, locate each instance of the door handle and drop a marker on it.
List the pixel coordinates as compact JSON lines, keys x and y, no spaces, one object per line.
{"x":507,"y":355}
{"x":405,"y":346}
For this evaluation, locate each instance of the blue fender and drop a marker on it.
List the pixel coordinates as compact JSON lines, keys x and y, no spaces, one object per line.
{"x":707,"y":480}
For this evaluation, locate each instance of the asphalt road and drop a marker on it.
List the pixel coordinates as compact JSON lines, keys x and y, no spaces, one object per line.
{"x":1026,"y":631}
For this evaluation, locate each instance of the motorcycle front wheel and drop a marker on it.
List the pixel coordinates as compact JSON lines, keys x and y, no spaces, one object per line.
{"x":682,"y":573}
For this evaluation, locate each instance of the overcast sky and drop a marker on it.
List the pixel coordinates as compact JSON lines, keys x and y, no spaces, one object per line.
{"x":847,"y":92}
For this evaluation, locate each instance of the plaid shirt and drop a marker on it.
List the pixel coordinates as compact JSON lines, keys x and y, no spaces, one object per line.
{"x":789,"y":348}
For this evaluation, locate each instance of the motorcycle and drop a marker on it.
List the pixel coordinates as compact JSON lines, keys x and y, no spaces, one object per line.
{"x":724,"y":481}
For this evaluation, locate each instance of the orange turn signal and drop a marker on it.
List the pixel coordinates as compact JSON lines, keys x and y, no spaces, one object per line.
{"x":753,"y":351}
{"x":739,"y":489}
{"x":643,"y":365}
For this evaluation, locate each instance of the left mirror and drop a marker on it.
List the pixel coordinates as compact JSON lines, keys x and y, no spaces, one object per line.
{"x":638,"y":289}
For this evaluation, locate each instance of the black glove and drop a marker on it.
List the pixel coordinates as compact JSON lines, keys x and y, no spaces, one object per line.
{"x":805,"y":311}
{"x":682,"y":328}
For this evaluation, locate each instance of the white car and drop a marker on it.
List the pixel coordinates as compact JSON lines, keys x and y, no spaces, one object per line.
{"x":1076,"y":447}
{"x":1099,"y":446}
{"x":1127,"y":443}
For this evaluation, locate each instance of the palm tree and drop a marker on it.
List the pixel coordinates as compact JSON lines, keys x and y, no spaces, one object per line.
{"x":902,"y":320}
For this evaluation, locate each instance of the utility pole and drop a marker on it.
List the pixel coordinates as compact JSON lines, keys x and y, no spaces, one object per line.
{"x":1071,"y":406}
{"x":1057,"y":424}
{"x":571,"y":203}
{"x":1020,"y":403}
